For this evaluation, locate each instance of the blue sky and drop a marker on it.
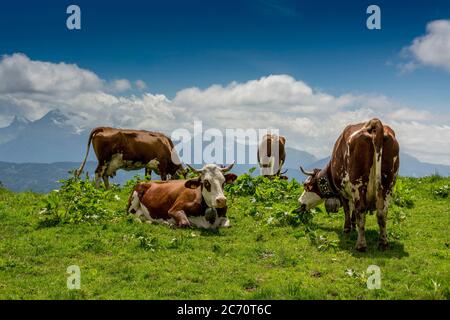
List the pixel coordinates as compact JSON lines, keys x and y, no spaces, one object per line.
{"x":305,"y":67}
{"x":176,"y":44}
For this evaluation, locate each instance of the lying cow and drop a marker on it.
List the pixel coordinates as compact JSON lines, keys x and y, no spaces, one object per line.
{"x":360,"y":175}
{"x":199,"y":201}
{"x":272,"y":155}
{"x":131,"y":150}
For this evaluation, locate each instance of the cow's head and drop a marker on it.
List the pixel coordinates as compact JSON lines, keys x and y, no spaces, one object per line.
{"x":212,"y":180}
{"x":311,"y":196}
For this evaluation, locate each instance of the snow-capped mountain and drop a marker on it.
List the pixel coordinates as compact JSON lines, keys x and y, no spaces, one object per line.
{"x":50,"y":139}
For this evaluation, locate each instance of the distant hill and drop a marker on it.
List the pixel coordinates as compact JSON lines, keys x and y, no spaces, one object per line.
{"x":12,"y":131}
{"x":43,"y":177}
{"x":49,"y":139}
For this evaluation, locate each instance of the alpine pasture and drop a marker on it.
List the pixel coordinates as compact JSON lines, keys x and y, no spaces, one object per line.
{"x":270,"y":252}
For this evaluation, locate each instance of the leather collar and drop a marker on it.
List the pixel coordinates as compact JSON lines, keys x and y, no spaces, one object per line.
{"x":326,"y":187}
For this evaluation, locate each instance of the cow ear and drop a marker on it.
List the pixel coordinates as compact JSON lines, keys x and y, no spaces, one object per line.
{"x":193,"y":183}
{"x":230,"y":177}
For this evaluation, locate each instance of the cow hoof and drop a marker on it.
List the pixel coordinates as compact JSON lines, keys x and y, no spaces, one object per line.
{"x":383,"y":246}
{"x":184,"y":224}
{"x":361,"y":249}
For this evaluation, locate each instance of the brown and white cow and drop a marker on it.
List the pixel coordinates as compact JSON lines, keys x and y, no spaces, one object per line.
{"x":272,"y":155}
{"x":196,"y":202}
{"x":360,"y":175}
{"x":131,"y":150}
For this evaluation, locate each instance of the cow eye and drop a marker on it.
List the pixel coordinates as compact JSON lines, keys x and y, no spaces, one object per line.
{"x":207,"y":185}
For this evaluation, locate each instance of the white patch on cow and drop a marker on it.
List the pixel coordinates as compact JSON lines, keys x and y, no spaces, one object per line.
{"x":371,"y":195}
{"x":224,"y":222}
{"x":214,"y":176}
{"x":374,"y":183}
{"x":140,"y":210}
{"x":310,"y":199}
{"x":115,"y":164}
{"x":135,"y":203}
{"x":153,"y":165}
{"x":354,"y":134}
{"x":201,"y":222}
{"x":270,"y":169}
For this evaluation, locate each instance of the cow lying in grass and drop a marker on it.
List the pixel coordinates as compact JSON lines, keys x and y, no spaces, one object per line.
{"x":196,"y":202}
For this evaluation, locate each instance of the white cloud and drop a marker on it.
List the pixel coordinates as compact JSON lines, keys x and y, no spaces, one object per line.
{"x":432,"y":49}
{"x":310,"y":119}
{"x":19,"y":74}
{"x":121,"y":85}
{"x":140,"y":84}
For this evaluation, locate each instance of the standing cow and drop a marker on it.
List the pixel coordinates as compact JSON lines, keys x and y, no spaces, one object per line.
{"x":131,"y":150}
{"x":199,"y":201}
{"x":361,"y":174}
{"x":272,"y":155}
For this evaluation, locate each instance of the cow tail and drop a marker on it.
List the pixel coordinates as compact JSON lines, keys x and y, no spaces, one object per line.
{"x":376,"y":130}
{"x":80,"y":170}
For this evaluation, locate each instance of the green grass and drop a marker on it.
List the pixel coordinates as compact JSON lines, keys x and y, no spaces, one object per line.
{"x":268,"y":253}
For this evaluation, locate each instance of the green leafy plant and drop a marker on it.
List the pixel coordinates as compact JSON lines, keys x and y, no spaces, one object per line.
{"x":402,"y":196}
{"x":148,"y":243}
{"x":441,"y":192}
{"x":76,"y":201}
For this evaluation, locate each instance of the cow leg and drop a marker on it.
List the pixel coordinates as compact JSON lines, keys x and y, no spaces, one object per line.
{"x":353,"y":221}
{"x":360,"y":221}
{"x":162,"y":168}
{"x":180,"y":218}
{"x":98,"y":175}
{"x":382,"y":208}
{"x":106,"y":181}
{"x":148,"y":173}
{"x":347,"y":223}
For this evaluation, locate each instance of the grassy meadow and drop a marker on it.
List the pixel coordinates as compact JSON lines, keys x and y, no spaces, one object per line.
{"x":270,"y":252}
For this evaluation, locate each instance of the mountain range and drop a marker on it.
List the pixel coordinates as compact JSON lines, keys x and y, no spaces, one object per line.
{"x":35,"y":154}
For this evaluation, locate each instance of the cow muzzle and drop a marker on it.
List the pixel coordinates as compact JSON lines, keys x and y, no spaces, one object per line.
{"x":221,"y":202}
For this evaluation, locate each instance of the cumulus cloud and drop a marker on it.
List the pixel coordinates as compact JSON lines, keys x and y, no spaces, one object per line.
{"x":19,"y":74}
{"x":310,"y":119}
{"x":121,"y":85}
{"x":432,"y":49}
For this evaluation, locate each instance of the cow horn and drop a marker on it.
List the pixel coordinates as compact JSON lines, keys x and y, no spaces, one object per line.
{"x":193,"y":169}
{"x":310,"y":173}
{"x":227,"y":168}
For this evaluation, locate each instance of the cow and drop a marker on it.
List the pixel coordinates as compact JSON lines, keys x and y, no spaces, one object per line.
{"x":196,"y":202}
{"x":270,"y":161}
{"x":131,"y":150}
{"x":359,"y":176}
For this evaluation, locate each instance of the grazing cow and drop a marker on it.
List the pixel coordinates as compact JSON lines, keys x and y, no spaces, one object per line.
{"x":131,"y":150}
{"x":199,"y":201}
{"x":360,"y":175}
{"x":269,"y":160}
